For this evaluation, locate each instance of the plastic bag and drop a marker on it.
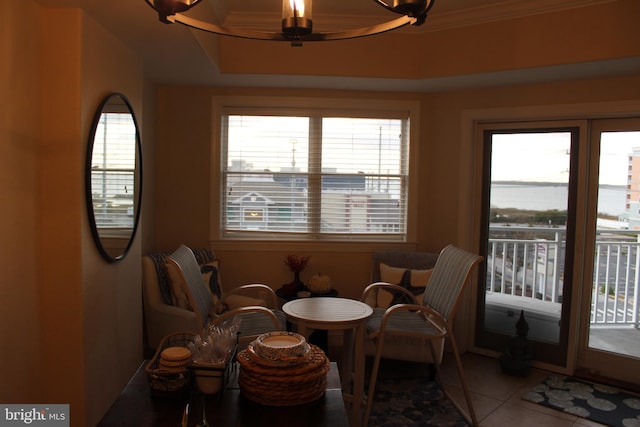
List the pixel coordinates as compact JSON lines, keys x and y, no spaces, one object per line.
{"x":216,"y":343}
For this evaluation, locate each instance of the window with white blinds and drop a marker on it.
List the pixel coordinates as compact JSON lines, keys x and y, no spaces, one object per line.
{"x":113,"y":171}
{"x":315,"y":175}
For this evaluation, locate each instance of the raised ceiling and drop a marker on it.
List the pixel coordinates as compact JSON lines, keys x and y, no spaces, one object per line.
{"x":178,"y":55}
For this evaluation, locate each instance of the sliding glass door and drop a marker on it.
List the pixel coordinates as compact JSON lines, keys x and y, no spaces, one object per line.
{"x":609,"y":337}
{"x":529,"y":203}
{"x":561,"y":236}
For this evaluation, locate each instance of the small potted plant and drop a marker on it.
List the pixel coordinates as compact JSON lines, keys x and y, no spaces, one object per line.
{"x":296,"y":264}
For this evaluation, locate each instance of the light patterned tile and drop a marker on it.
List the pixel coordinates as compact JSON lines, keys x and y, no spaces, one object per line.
{"x":510,"y":415}
{"x":483,"y":405}
{"x":497,"y":397}
{"x":484,"y":376}
{"x":582,"y":422}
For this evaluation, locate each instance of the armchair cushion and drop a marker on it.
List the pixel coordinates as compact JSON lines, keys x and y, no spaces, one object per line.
{"x":219,"y":301}
{"x":413,"y":280}
{"x":211,"y":276}
{"x":164,"y":283}
{"x":404,"y":260}
{"x":183,"y":267}
{"x":179,"y":296}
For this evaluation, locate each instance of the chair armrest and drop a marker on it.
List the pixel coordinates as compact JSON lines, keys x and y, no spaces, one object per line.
{"x":435,"y":318}
{"x":375,"y":287}
{"x":425,"y":312}
{"x":243,"y":310}
{"x":269,"y":295}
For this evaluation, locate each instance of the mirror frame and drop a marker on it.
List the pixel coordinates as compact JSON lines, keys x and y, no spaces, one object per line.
{"x":137,"y":179}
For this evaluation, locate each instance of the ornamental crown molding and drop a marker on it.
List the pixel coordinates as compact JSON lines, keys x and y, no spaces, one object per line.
{"x":437,"y":20}
{"x":501,"y":11}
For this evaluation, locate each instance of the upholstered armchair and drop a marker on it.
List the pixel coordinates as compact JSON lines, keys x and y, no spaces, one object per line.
{"x":160,"y":315}
{"x":166,"y":306}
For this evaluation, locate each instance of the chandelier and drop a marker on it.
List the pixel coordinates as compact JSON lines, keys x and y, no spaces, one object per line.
{"x":297,"y":22}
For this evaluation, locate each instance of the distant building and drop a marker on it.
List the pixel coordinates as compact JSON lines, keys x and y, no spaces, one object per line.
{"x":632,"y":214}
{"x":278,"y":202}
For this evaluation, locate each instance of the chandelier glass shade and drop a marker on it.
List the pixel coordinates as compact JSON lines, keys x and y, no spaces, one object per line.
{"x":297,"y":20}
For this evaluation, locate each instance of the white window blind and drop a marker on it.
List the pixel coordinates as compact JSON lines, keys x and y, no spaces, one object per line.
{"x":315,"y":176}
{"x":113,"y":171}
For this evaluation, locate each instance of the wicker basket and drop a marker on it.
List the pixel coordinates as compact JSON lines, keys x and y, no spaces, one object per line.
{"x":283,"y":386}
{"x":169,"y":383}
{"x":211,"y":378}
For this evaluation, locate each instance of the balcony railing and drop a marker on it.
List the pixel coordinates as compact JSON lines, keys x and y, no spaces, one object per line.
{"x":528,"y":262}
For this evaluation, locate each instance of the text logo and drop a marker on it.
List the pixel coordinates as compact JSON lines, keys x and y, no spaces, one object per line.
{"x":36,"y":415}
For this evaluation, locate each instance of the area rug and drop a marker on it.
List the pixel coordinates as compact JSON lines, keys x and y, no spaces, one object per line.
{"x":412,"y":402}
{"x":596,"y":402}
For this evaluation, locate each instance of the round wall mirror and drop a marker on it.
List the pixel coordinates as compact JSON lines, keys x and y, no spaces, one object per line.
{"x":114,"y":177}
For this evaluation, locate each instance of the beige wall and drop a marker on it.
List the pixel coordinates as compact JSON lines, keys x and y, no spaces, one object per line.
{"x":147,"y":218}
{"x":184,"y":136}
{"x":59,"y":216}
{"x":20,"y":127}
{"x":448,"y":184}
{"x":185,"y":207}
{"x":111,"y":292}
{"x":183,"y":204}
{"x":70,"y":323}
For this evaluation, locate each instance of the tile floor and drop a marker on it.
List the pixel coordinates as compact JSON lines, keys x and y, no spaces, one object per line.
{"x":497,"y":396}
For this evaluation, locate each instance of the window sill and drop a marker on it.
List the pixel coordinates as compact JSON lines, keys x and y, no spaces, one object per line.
{"x":320,"y":246}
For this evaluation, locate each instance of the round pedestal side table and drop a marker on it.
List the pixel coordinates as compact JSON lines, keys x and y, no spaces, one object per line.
{"x":345,"y":314}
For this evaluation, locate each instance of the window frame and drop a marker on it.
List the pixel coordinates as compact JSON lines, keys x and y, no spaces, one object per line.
{"x":373,"y":108}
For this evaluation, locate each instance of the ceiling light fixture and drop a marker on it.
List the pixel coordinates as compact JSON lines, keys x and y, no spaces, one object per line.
{"x":297,"y":22}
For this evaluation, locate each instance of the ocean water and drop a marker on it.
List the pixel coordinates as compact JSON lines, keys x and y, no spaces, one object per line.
{"x":611,"y":199}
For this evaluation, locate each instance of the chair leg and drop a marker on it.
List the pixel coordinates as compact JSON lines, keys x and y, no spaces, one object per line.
{"x":372,"y":380}
{"x":471,"y":417}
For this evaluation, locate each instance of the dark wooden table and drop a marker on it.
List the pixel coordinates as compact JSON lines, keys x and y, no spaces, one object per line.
{"x":136,"y":407}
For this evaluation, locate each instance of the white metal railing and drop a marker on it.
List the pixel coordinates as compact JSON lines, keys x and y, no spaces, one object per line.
{"x":528,"y":262}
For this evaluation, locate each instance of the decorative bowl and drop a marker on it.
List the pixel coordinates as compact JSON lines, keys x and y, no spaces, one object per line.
{"x":280,"y":345}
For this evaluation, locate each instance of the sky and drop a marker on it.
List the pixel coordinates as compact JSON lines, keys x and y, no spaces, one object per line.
{"x":545,"y":157}
{"x":532,"y":157}
{"x":348,"y":145}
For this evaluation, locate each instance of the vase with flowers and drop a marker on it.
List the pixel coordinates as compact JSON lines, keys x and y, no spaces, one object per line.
{"x":296,"y":264}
